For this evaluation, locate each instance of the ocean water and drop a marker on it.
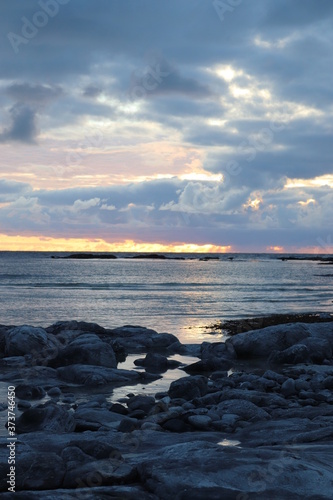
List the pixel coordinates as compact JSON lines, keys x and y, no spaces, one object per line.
{"x":176,"y":296}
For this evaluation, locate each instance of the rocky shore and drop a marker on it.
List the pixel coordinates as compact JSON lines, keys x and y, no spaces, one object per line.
{"x":250,"y":419}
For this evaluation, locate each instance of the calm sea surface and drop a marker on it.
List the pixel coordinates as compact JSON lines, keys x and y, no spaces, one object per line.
{"x":175,"y":296}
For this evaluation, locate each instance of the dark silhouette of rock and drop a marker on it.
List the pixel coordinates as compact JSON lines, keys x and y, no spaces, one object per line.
{"x":153,"y":256}
{"x":48,"y":417}
{"x":87,"y":256}
{"x":188,"y":387}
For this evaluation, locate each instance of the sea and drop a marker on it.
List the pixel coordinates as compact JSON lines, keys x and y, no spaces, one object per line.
{"x":183,"y":297}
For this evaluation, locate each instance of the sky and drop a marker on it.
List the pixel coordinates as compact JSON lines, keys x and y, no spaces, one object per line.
{"x":179,"y":125}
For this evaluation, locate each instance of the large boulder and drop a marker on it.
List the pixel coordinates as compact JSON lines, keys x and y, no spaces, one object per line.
{"x":260,"y":343}
{"x":298,"y":353}
{"x":26,"y":339}
{"x":86,"y":349}
{"x":138,"y":339}
{"x":220,"y":350}
{"x":189,"y":387}
{"x":34,"y":471}
{"x":75,"y":326}
{"x":48,"y":417}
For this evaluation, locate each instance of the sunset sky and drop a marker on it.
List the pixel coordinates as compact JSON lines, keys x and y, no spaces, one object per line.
{"x":161,"y":125}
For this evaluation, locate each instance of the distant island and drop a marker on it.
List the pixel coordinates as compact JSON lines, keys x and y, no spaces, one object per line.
{"x":149,"y":256}
{"x":315,"y":258}
{"x":86,"y":256}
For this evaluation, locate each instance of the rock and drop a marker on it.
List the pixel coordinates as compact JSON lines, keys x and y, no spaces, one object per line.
{"x":95,"y":418}
{"x":153,"y":256}
{"x":138,"y":339}
{"x":277,"y":377}
{"x":23,"y":405}
{"x":25,"y":391}
{"x":144,"y":403}
{"x":298,"y":353}
{"x":48,"y":417}
{"x":38,"y":471}
{"x":95,"y":375}
{"x":328,"y":382}
{"x":176,"y":425}
{"x":128,"y":424}
{"x":319,"y":349}
{"x":260,"y":343}
{"x":118,"y":408}
{"x":86,"y":349}
{"x":209,"y":365}
{"x":188,"y":387}
{"x":97,"y":448}
{"x":288,"y":387}
{"x":154,"y":361}
{"x":245,"y":409}
{"x":77,"y":327}
{"x":30,"y":340}
{"x":54,"y":392}
{"x":87,"y":256}
{"x":200,"y":421}
{"x":230,"y":419}
{"x":101,"y":472}
{"x":209,"y":350}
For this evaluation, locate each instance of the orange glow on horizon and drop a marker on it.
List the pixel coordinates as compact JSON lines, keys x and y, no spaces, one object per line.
{"x":276,"y":249}
{"x":46,"y":244}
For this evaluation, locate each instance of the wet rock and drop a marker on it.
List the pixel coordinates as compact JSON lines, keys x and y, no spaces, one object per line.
{"x":138,"y":339}
{"x":95,"y":418}
{"x":200,"y":421}
{"x":144,"y":403}
{"x":245,"y":409}
{"x":128,"y":424}
{"x":298,"y":353}
{"x":209,"y":365}
{"x":86,"y":349}
{"x":154,"y":361}
{"x":25,"y":391}
{"x":95,"y":375}
{"x":60,"y":327}
{"x":118,"y":408}
{"x":319,"y":349}
{"x":23,"y":405}
{"x":260,"y":343}
{"x":26,"y":339}
{"x":99,"y":473}
{"x":54,"y":392}
{"x":48,"y":417}
{"x":209,"y":350}
{"x":189,"y":387}
{"x":288,"y":387}
{"x":176,"y":425}
{"x":39,"y":471}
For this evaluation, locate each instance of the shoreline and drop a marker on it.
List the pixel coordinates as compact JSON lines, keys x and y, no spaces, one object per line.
{"x":251,"y":418}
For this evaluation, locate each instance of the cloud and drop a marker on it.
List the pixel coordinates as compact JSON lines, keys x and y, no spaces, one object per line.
{"x":173,"y":210}
{"x":34,"y":94}
{"x":169,"y":90}
{"x":10,"y":190}
{"x":23,"y":126}
{"x":91,"y":91}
